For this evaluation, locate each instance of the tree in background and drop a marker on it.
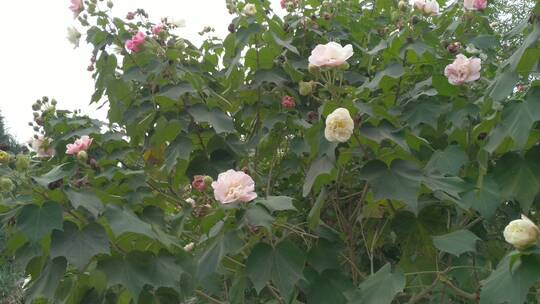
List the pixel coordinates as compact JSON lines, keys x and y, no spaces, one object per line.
{"x":7,"y":142}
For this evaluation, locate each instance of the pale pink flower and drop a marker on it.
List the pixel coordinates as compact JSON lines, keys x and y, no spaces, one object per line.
{"x":234,"y":186}
{"x":42,"y":146}
{"x":76,"y":7}
{"x":463,"y":70}
{"x":428,"y":7}
{"x":157,"y":29}
{"x":81,"y":144}
{"x":135,"y":42}
{"x":331,"y":54}
{"x":475,"y":5}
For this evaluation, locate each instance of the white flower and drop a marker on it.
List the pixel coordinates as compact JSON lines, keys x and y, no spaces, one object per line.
{"x":250,"y":9}
{"x":191,"y":202}
{"x":339,"y":126}
{"x":331,"y":54}
{"x":176,"y":22}
{"x":521,"y":233}
{"x":189,"y":247}
{"x":73,"y":36}
{"x":429,"y":7}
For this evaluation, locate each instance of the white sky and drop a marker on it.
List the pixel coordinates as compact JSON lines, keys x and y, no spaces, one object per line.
{"x":37,"y":60}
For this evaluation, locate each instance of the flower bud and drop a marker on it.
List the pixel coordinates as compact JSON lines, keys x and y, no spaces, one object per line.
{"x":402,"y":5}
{"x":130,"y":16}
{"x":521,"y":233}
{"x":198,"y":183}
{"x":453,"y":47}
{"x":6,"y":185}
{"x":191,"y":202}
{"x":313,"y":69}
{"x":189,"y":247}
{"x":288,"y":102}
{"x":208,"y":180}
{"x":82,"y":156}
{"x":110,"y":4}
{"x":4,"y":157}
{"x":232,"y":28}
{"x":305,"y":88}
{"x":22,"y":162}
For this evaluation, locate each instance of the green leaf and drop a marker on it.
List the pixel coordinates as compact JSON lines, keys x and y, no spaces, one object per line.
{"x":511,"y":284}
{"x":400,"y":181}
{"x":424,"y":112}
{"x":277,"y":203}
{"x":485,"y":199}
{"x":56,"y":173}
{"x":259,"y":216}
{"x":45,"y":285}
{"x":516,"y":123}
{"x":86,"y":199}
{"x":220,"y":246}
{"x":138,"y":269}
{"x":180,"y":148}
{"x":221,"y":122}
{"x":385,"y":131}
{"x":380,"y":288}
{"x":394,"y":70}
{"x":503,"y":85}
{"x":38,"y":221}
{"x":174,"y":92}
{"x":125,"y":221}
{"x":286,"y":44}
{"x":314,"y":216}
{"x":456,"y":242}
{"x":321,"y":167}
{"x":282,"y":265}
{"x":448,"y":161}
{"x":519,"y":177}
{"x":79,"y":246}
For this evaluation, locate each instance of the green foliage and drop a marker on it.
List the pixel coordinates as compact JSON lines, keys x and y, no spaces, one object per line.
{"x":409,"y":209}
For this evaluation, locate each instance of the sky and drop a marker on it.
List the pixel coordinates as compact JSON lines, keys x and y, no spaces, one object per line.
{"x":37,"y":60}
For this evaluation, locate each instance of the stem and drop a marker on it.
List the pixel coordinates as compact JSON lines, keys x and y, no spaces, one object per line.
{"x":207,"y":297}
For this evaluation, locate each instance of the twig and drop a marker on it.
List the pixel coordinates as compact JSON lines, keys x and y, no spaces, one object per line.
{"x":201,"y":294}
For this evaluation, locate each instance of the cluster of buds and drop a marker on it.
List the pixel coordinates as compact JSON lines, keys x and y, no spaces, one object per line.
{"x":232,"y":6}
{"x":206,"y":29}
{"x":138,"y":12}
{"x":43,"y":108}
{"x":289,"y":5}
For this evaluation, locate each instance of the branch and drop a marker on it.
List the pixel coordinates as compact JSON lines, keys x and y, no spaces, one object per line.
{"x":203,"y":295}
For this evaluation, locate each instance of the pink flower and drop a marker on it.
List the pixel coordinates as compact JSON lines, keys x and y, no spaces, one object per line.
{"x":42,"y":146}
{"x":157,"y":29}
{"x":283,"y":3}
{"x":81,"y":144}
{"x":463,"y":70}
{"x":331,"y":54}
{"x":135,"y":42}
{"x":475,"y":5}
{"x":76,"y":7}
{"x":288,"y":102}
{"x":234,"y":186}
{"x":198,"y":182}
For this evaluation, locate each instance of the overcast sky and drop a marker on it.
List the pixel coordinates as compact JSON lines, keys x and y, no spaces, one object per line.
{"x":37,"y":60}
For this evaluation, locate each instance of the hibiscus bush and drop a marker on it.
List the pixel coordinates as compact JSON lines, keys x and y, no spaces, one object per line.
{"x":332,"y":152}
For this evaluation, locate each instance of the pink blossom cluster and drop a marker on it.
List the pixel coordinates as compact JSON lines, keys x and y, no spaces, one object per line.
{"x":134,"y":44}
